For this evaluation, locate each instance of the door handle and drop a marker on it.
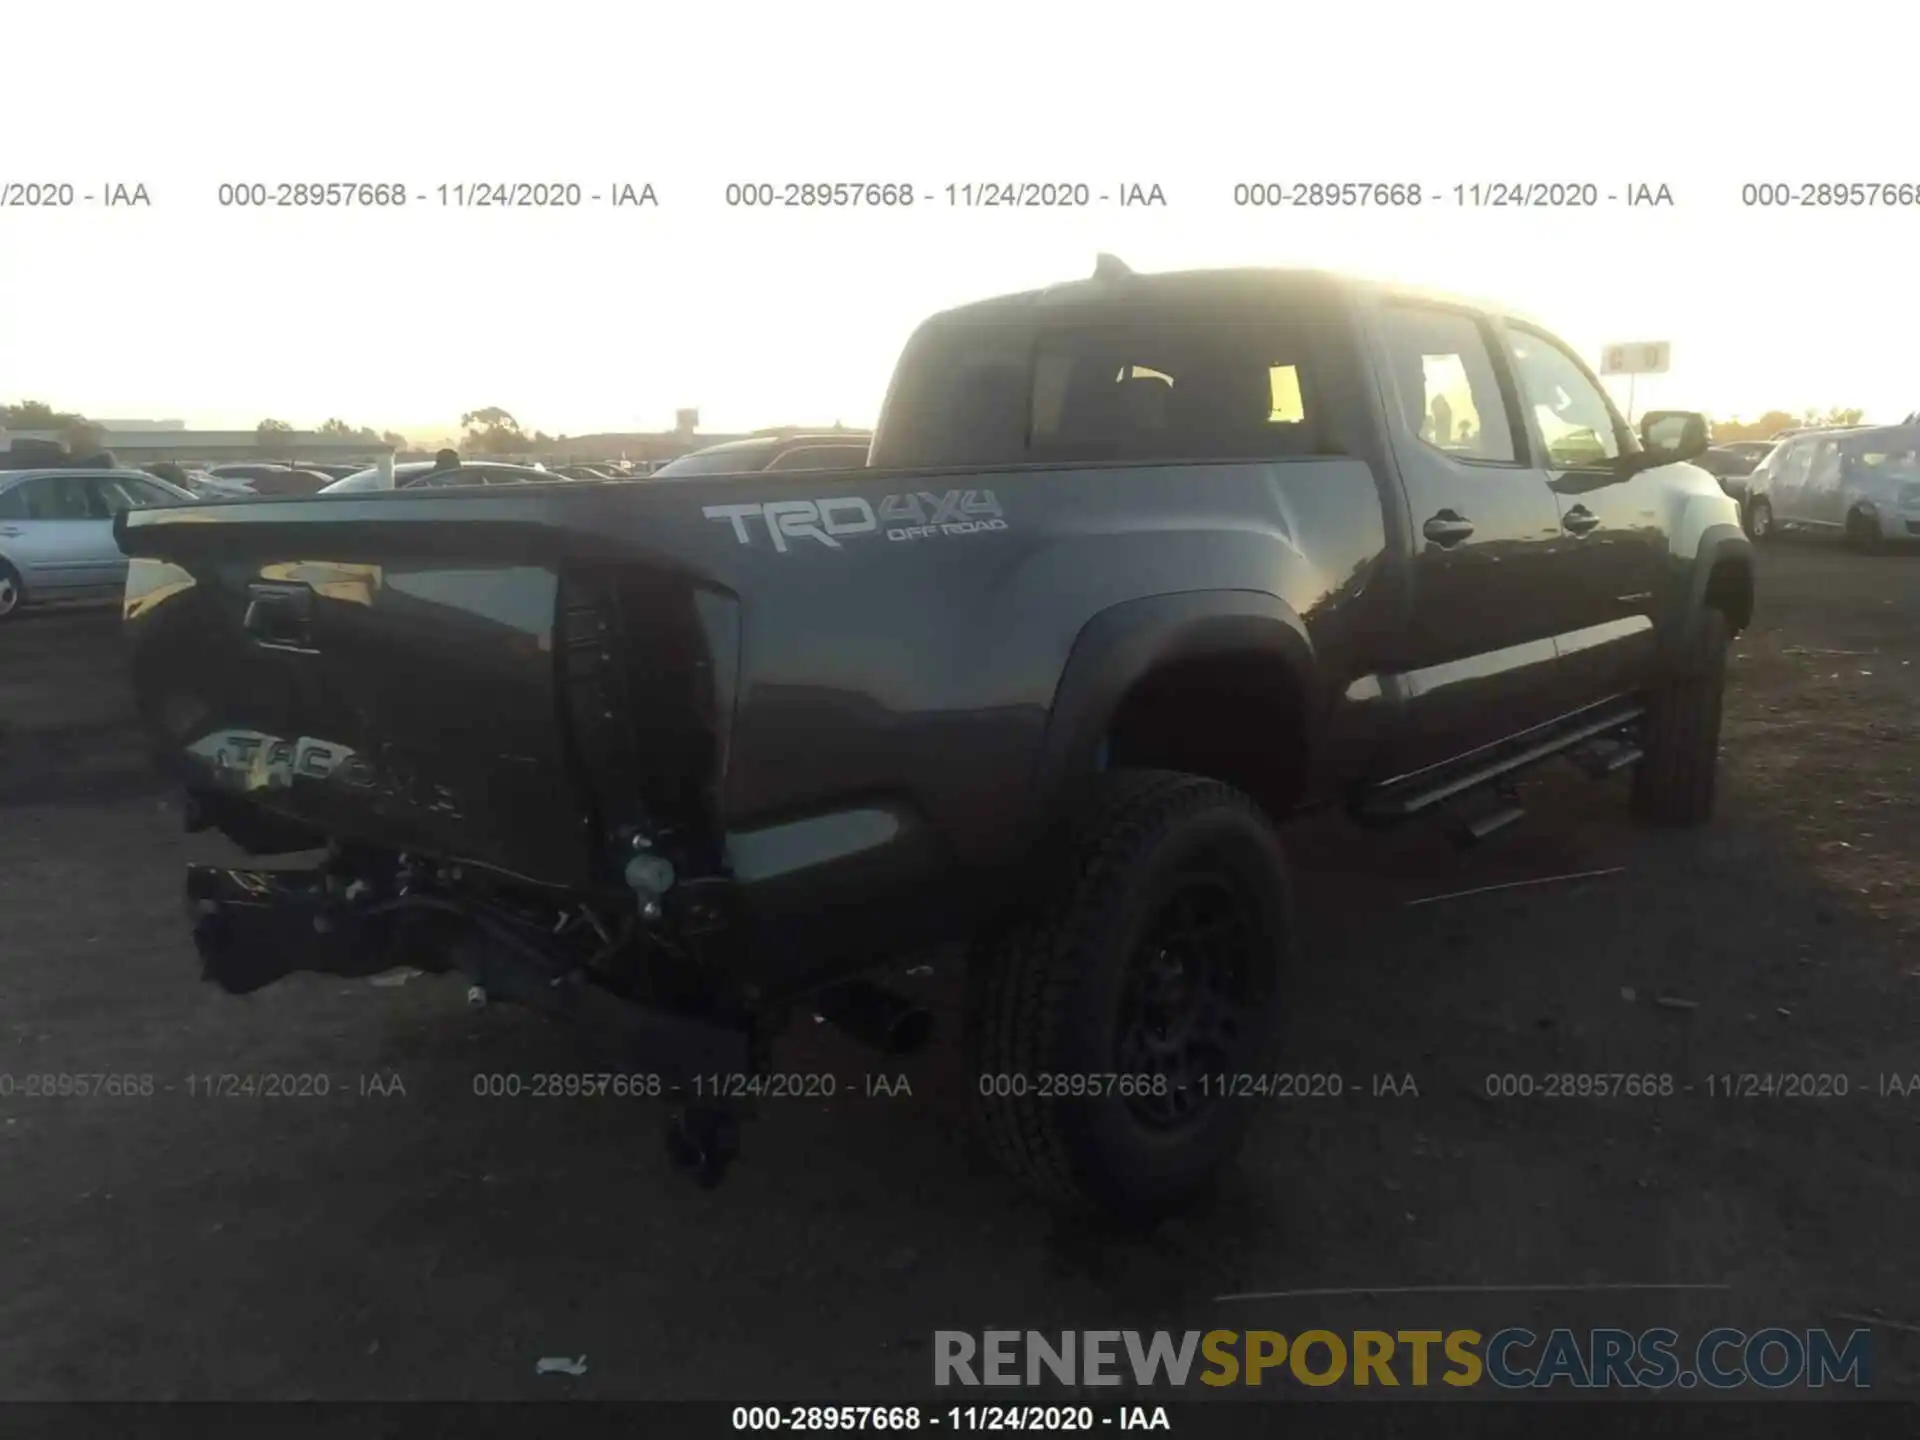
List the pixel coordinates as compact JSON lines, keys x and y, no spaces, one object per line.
{"x":1580,"y":520}
{"x":1447,"y":528}
{"x":10,"y":531}
{"x":280,"y":615}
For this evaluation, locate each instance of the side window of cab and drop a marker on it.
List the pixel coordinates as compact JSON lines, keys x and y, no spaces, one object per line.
{"x":1449,"y":390}
{"x":1576,"y":421}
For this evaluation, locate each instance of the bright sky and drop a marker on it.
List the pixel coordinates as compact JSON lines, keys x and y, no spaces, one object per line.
{"x":600,"y":319}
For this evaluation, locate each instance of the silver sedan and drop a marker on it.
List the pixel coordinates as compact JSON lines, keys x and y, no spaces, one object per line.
{"x":56,"y":531}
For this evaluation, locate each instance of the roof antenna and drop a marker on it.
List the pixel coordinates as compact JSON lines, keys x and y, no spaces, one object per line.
{"x":1109,"y":267}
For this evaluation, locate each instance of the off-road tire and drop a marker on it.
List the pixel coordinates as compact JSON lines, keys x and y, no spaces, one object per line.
{"x":13,"y":594}
{"x":1673,"y":785}
{"x":1046,"y":992}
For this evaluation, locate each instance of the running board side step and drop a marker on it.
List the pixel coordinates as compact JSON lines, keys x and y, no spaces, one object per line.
{"x":1591,"y":733}
{"x":1472,"y":831}
{"x":1607,"y":757}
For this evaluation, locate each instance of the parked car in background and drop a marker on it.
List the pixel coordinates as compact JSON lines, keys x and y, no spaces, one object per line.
{"x":827,"y":451}
{"x":269,"y":479}
{"x":1732,"y":463}
{"x":198,"y":483}
{"x":1751,"y":452}
{"x":217,"y":487}
{"x":25,"y":452}
{"x":248,"y":470}
{"x":1798,"y":430}
{"x":56,"y":531}
{"x":586,"y":472}
{"x":1861,"y":484}
{"x":332,"y":470}
{"x":418,"y":474}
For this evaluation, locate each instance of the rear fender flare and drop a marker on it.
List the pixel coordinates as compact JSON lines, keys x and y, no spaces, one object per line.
{"x":1125,"y":643}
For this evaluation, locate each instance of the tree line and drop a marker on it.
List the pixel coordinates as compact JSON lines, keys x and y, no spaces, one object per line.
{"x":82,"y":436}
{"x":1774,"y":421}
{"x":272,"y":434}
{"x":489,"y":430}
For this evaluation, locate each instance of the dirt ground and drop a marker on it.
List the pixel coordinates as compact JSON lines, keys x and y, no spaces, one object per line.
{"x":426,"y":1242}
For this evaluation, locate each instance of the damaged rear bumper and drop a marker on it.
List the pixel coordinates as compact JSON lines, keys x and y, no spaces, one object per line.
{"x":253,"y":927}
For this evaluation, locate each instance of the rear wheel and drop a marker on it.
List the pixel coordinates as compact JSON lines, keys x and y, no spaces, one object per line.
{"x":1863,"y":531}
{"x":12,"y":593}
{"x":1760,"y":519}
{"x":1149,"y":967}
{"x":1674,"y":783}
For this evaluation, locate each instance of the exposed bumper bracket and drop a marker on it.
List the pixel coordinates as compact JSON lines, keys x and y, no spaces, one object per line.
{"x":253,"y":927}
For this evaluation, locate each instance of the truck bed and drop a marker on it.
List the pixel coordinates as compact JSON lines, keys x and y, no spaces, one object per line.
{"x":832,"y":675}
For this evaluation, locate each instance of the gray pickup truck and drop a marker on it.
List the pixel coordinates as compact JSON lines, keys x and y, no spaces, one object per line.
{"x":1139,"y":566}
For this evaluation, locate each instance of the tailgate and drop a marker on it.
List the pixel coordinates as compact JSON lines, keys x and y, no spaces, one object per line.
{"x":442,"y":688}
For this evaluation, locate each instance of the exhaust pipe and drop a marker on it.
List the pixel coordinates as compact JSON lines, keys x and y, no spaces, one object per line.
{"x":875,"y":1017}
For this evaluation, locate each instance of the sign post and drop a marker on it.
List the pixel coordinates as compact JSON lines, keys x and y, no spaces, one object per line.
{"x":1634,"y":359}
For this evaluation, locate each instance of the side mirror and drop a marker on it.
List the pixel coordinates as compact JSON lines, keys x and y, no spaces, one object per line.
{"x":1670,"y":436}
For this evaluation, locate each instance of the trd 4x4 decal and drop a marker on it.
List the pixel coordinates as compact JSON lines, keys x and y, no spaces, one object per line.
{"x":915,"y":516}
